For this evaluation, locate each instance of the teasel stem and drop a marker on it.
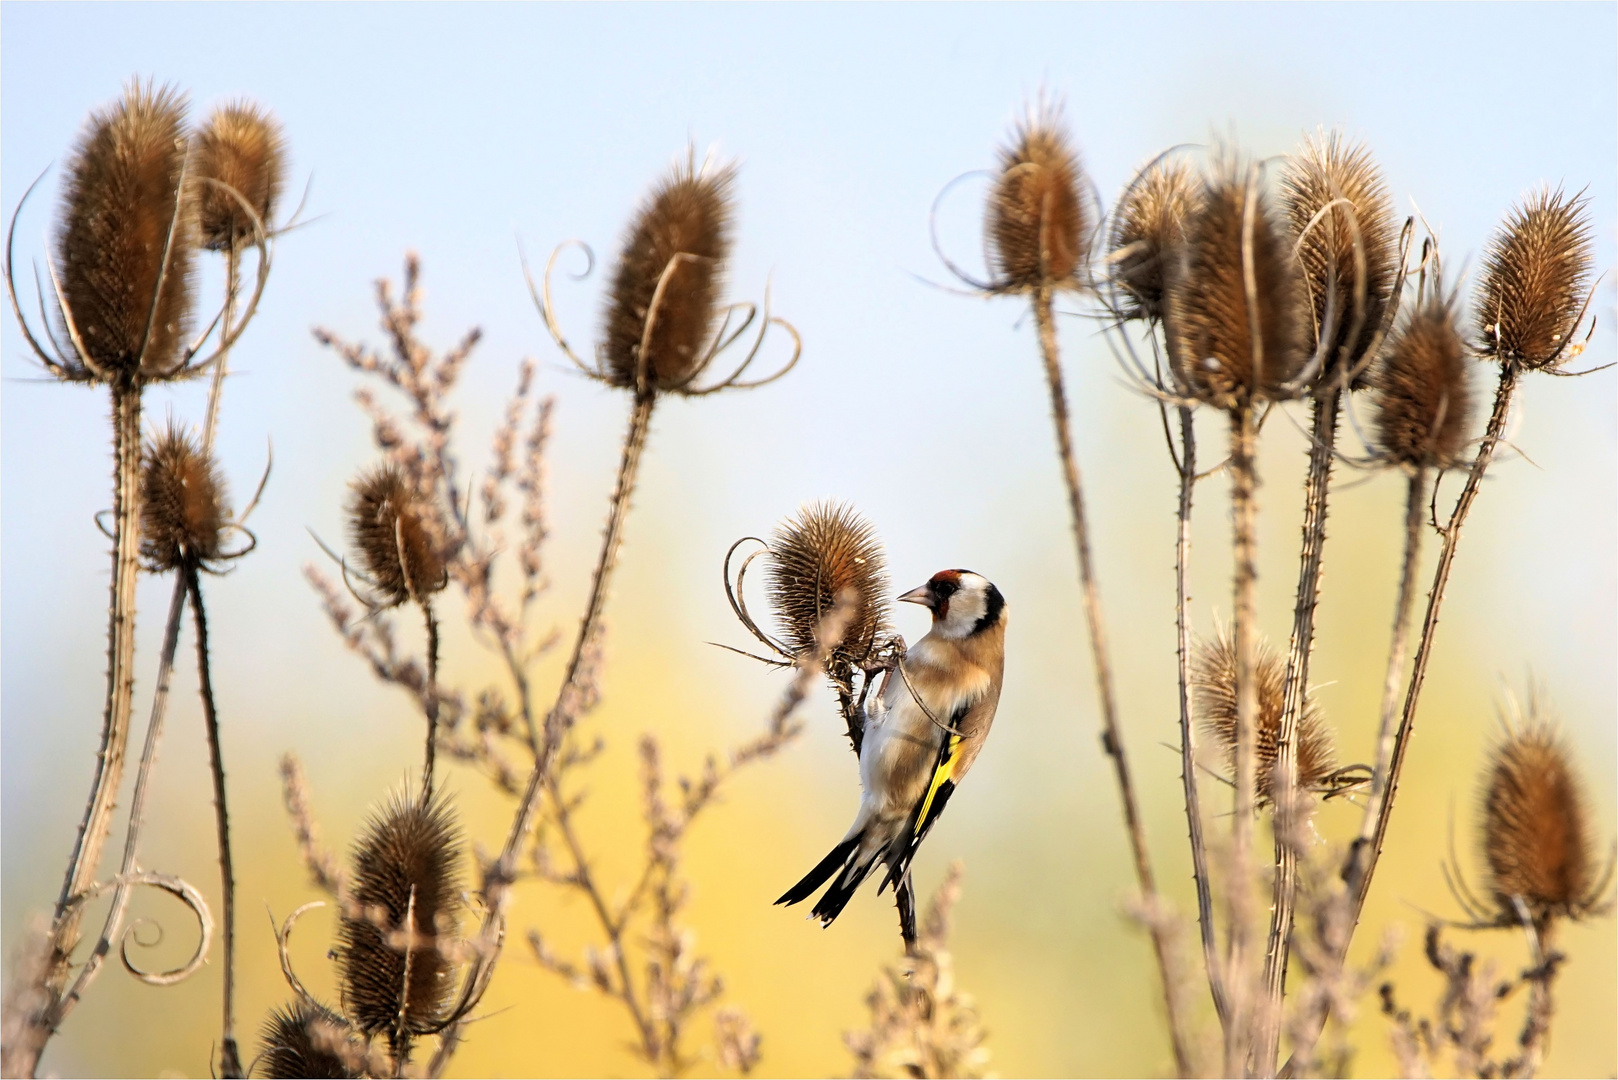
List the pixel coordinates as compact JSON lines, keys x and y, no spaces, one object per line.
{"x":1188,"y":739}
{"x":216,"y":390}
{"x":1541,"y":1004}
{"x":230,"y":1064}
{"x":93,"y":830}
{"x":1326,"y":408}
{"x":137,"y":813}
{"x":1111,"y":738}
{"x":430,"y":703}
{"x":557,"y":721}
{"x":1244,"y":481}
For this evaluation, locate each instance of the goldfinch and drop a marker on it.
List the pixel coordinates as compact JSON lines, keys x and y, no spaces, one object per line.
{"x":921,"y":737}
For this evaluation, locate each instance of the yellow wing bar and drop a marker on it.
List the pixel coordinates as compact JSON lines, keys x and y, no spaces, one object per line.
{"x":945,"y":771}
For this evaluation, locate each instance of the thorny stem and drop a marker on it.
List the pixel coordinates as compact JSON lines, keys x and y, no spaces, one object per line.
{"x":1111,"y":739}
{"x":92,"y":835}
{"x":560,"y":717}
{"x":1244,"y":479}
{"x":230,"y":1064}
{"x":430,"y":701}
{"x":216,"y":391}
{"x":1284,"y":795}
{"x":137,"y":810}
{"x":1188,"y":738}
{"x":1541,"y":1004}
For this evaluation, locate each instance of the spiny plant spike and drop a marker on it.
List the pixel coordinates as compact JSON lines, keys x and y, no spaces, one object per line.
{"x":1038,"y":221}
{"x":183,"y":510}
{"x":386,"y":518}
{"x":1536,"y":277}
{"x":240,"y":149}
{"x":824,"y":550}
{"x":1422,"y":390}
{"x":1148,"y":230}
{"x":1535,"y":830}
{"x":289,"y":1047}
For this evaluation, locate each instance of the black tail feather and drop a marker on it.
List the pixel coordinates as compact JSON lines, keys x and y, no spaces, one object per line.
{"x":836,"y":898}
{"x":822,"y":872}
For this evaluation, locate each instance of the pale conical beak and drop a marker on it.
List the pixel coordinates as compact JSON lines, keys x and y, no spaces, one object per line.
{"x":919,"y":595}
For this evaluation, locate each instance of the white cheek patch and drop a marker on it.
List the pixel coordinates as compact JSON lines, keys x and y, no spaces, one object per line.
{"x":966,"y":607}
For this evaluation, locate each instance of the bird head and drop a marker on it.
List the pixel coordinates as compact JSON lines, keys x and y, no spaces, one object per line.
{"x":962,"y":603}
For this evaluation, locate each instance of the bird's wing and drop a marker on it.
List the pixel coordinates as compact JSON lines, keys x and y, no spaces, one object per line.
{"x":955,"y":752}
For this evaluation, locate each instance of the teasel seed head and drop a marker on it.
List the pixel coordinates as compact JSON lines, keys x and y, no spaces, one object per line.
{"x":1206,"y":311}
{"x":1213,"y":695}
{"x":1536,"y":276}
{"x":1325,"y":172}
{"x":681,"y":238}
{"x":1422,"y":390}
{"x":242,"y":148}
{"x":1039,"y":221}
{"x":397,"y":536}
{"x":183,"y":511}
{"x":827,"y":549}
{"x":408,"y":860}
{"x":120,"y":199}
{"x":1535,"y":833}
{"x":291,"y":1049}
{"x":1147,"y":231}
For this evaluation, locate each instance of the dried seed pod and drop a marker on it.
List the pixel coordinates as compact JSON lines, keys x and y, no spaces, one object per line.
{"x":293,"y":1045}
{"x":1535,"y":831}
{"x":680,"y":240}
{"x":1213,"y":688}
{"x":1536,"y":274}
{"x":1338,"y":213}
{"x":1421,"y":388}
{"x":1207,"y":311}
{"x":825,"y":550}
{"x":120,"y":199}
{"x":408,"y":861}
{"x":1148,"y":230}
{"x":397,"y":534}
{"x":242,"y":148}
{"x":1039,"y":224}
{"x":183,"y":510}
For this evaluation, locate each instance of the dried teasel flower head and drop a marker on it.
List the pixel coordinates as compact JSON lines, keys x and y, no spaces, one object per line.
{"x":823,"y":551}
{"x":1421,"y":388}
{"x":407,"y":863}
{"x":125,"y":237}
{"x":1147,"y":230}
{"x":1536,"y":279}
{"x":1535,"y":829}
{"x":240,"y":151}
{"x":292,"y":1046}
{"x":1233,"y":275}
{"x":183,"y":511}
{"x":397,"y":534}
{"x":1341,"y":222}
{"x":1213,"y":694}
{"x":1039,"y":222}
{"x":665,"y":290}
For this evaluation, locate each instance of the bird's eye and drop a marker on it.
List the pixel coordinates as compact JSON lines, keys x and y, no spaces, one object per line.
{"x":944,"y":589}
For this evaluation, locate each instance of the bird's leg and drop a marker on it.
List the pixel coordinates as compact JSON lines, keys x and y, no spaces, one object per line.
{"x":905,"y":898}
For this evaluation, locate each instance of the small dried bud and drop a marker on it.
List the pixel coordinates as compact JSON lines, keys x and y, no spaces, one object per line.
{"x":1535,"y":833}
{"x":120,"y":199}
{"x":737,"y":1041}
{"x":1338,"y":213}
{"x":1213,"y":689}
{"x":1423,"y":399}
{"x":1038,"y":222}
{"x":824,"y":551}
{"x":1149,"y":228}
{"x":408,"y":861}
{"x":182,"y":502}
{"x":680,"y":241}
{"x":291,"y":1047}
{"x":1234,"y":273}
{"x":396,"y":535}
{"x":1536,"y":274}
{"x":240,"y":147}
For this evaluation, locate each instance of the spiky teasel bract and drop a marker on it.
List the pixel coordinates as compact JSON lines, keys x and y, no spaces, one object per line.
{"x":1207,"y":315}
{"x":1213,"y":687}
{"x":239,"y":151}
{"x":824,"y":551}
{"x":1535,"y":829}
{"x":1536,"y":279}
{"x":1422,"y":389}
{"x":408,"y":861}
{"x":292,"y":1047}
{"x":1339,"y":213}
{"x":122,"y":213}
{"x":393,"y":529}
{"x":183,"y":511}
{"x":680,"y":239}
{"x":1148,"y":229}
{"x":1039,"y":223}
